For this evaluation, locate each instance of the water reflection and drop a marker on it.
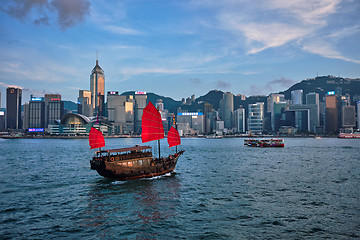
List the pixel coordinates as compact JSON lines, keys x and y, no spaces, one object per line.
{"x":134,"y":207}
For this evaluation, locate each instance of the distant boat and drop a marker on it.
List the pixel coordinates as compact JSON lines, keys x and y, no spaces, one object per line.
{"x":349,"y":135}
{"x":136,"y":162}
{"x":214,"y":136}
{"x":318,"y":137}
{"x":274,"y":142}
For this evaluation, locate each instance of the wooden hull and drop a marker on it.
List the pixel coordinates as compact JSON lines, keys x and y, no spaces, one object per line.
{"x":134,"y":168}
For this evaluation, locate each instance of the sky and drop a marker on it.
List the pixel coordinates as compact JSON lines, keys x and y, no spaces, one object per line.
{"x":175,"y":48}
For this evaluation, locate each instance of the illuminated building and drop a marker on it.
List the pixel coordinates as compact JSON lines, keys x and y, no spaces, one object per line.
{"x":194,"y":121}
{"x":13,"y":108}
{"x":97,"y":89}
{"x":36,"y":112}
{"x":54,"y":108}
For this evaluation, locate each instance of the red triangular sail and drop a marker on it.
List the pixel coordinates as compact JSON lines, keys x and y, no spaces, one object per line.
{"x":152,"y":127}
{"x":96,"y":139}
{"x":173,"y":137}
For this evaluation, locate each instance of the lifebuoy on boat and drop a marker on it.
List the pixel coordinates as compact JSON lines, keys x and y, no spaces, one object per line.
{"x":112,"y":159}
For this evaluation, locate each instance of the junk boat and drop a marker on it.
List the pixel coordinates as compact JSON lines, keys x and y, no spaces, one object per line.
{"x":136,"y":162}
{"x":278,"y":142}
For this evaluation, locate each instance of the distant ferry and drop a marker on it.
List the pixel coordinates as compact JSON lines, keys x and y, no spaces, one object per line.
{"x":349,"y":135}
{"x":274,"y":142}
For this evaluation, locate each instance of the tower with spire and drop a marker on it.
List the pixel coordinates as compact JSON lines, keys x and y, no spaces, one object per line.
{"x":97,"y":89}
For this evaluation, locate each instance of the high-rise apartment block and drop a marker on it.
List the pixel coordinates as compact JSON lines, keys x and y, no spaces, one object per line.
{"x":13,"y":108}
{"x":239,"y":120}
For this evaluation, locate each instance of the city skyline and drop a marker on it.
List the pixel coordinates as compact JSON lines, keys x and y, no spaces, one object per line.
{"x":244,"y":47}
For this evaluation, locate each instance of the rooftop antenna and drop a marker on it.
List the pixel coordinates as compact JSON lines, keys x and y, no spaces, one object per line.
{"x":97,"y":57}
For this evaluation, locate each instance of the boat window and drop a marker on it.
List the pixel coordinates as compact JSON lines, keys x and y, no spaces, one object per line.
{"x":140,"y":162}
{"x":130,"y":164}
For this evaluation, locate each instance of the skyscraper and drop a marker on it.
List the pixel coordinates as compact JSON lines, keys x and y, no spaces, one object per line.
{"x":358,"y":114}
{"x":54,"y":108}
{"x":84,"y":103}
{"x":256,"y":117}
{"x":297,"y":97}
{"x":13,"y":108}
{"x":140,"y":104}
{"x":226,"y":109}
{"x":97,"y":89}
{"x":331,"y":114}
{"x":273,"y":98}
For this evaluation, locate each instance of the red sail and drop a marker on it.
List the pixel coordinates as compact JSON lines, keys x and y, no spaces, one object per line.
{"x":173,"y":137}
{"x":96,"y":139}
{"x":152,"y":127}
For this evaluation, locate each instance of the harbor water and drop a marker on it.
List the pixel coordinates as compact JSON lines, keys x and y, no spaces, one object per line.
{"x":221,"y":189}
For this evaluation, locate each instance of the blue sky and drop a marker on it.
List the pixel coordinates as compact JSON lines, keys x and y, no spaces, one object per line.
{"x":176,"y":48}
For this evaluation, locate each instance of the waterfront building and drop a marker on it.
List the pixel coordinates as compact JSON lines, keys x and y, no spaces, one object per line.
{"x":226,"y":108}
{"x":54,"y":108}
{"x":195,"y":120}
{"x":348,"y":118}
{"x":36,"y":112}
{"x":97,"y":89}
{"x":140,"y":104}
{"x":271,"y":100}
{"x":256,"y":118}
{"x":13,"y":108}
{"x":84,"y":103}
{"x":306,"y":117}
{"x":121,"y":112}
{"x":331,"y":113}
{"x":239,"y":120}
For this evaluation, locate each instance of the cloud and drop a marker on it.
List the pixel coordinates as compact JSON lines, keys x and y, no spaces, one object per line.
{"x":222,"y":85}
{"x":282,"y":82}
{"x":325,"y":49}
{"x":121,"y":30}
{"x":68,"y":12}
{"x":71,"y":12}
{"x":196,"y":81}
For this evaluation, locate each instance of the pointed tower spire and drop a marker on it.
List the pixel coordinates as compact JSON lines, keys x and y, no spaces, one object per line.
{"x":97,"y":57}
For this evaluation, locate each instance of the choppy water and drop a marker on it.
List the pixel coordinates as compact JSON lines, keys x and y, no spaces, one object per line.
{"x":221,"y":190}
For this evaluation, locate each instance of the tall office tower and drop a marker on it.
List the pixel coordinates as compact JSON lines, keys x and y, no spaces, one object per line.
{"x":348,"y":118}
{"x":36,"y":112}
{"x":331,"y":114}
{"x":13,"y":108}
{"x":278,"y":115}
{"x":26,"y":112}
{"x":313,"y":99}
{"x":239,"y":120}
{"x":226,"y":109}
{"x":140,"y":104}
{"x":273,"y":98}
{"x":84,"y":103}
{"x":256,"y":118}
{"x":54,"y":108}
{"x":113,"y":100}
{"x":97,"y":89}
{"x":297,"y":97}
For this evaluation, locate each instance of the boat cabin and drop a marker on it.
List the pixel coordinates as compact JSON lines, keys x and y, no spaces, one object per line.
{"x":125,"y":153}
